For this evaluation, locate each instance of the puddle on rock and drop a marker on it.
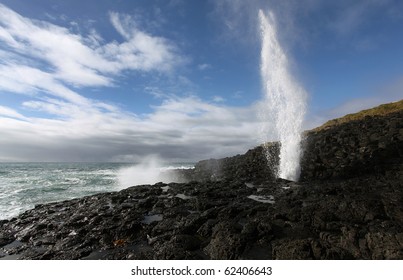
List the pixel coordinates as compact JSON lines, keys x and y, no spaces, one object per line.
{"x":14,"y":244}
{"x":8,"y":252}
{"x":148,"y":219}
{"x":10,"y":257}
{"x":183,"y":196}
{"x":262,"y":198}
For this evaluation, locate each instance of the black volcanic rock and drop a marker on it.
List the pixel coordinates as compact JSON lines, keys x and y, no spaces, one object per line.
{"x":251,"y":166}
{"x":358,"y":218}
{"x":348,"y":205}
{"x":370,"y":145}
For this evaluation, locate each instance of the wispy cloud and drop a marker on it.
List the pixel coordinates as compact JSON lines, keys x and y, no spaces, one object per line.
{"x":9,"y":112}
{"x":381,"y":93}
{"x":301,"y":23}
{"x":85,"y":61}
{"x":124,"y":24}
{"x":203,"y":66}
{"x":28,"y":80}
{"x":391,"y":91}
{"x":218,"y":99}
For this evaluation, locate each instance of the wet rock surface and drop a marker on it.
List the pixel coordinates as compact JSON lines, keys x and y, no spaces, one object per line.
{"x":348,"y":205}
{"x":359,"y":218}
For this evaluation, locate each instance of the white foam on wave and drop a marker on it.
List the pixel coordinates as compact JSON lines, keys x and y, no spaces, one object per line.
{"x":173,"y":167}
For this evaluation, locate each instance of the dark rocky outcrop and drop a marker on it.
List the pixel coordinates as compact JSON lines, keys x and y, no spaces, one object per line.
{"x":373,"y":144}
{"x":251,"y":166}
{"x":348,"y":205}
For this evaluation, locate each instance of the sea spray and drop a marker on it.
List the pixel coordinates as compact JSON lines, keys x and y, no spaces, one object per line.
{"x":24,"y":185}
{"x":150,"y":171}
{"x":284,"y":99}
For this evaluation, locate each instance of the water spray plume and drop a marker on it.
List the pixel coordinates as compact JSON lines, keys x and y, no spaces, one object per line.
{"x":284,"y":98}
{"x":149,"y":171}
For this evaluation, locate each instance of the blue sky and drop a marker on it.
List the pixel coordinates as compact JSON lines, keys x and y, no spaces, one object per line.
{"x":119,"y":80}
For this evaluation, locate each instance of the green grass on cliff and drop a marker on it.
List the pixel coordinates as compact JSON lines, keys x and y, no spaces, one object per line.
{"x":380,"y":110}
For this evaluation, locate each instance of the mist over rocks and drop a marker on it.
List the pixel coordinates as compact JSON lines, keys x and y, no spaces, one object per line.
{"x":249,"y":167}
{"x":348,"y":204}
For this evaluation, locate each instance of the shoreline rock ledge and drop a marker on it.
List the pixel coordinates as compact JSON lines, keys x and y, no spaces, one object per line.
{"x":347,"y":205}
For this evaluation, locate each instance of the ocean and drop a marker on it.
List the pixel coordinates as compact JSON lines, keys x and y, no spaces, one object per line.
{"x":24,"y":185}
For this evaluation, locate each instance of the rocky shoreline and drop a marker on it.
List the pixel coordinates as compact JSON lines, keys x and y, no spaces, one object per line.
{"x":347,"y":205}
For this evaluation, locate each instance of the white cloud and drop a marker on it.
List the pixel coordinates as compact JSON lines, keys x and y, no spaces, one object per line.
{"x":72,"y":61}
{"x":178,"y":129}
{"x":123,"y":24}
{"x":8,"y":112}
{"x":86,"y":61}
{"x":141,"y":51}
{"x":218,"y":99}
{"x":203,"y":66}
{"x":26,"y":80}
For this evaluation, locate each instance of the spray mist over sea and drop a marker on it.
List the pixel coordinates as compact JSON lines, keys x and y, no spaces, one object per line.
{"x":284,"y":99}
{"x":24,"y":185}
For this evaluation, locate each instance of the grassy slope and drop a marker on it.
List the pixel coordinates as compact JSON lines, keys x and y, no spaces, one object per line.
{"x":380,"y":110}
